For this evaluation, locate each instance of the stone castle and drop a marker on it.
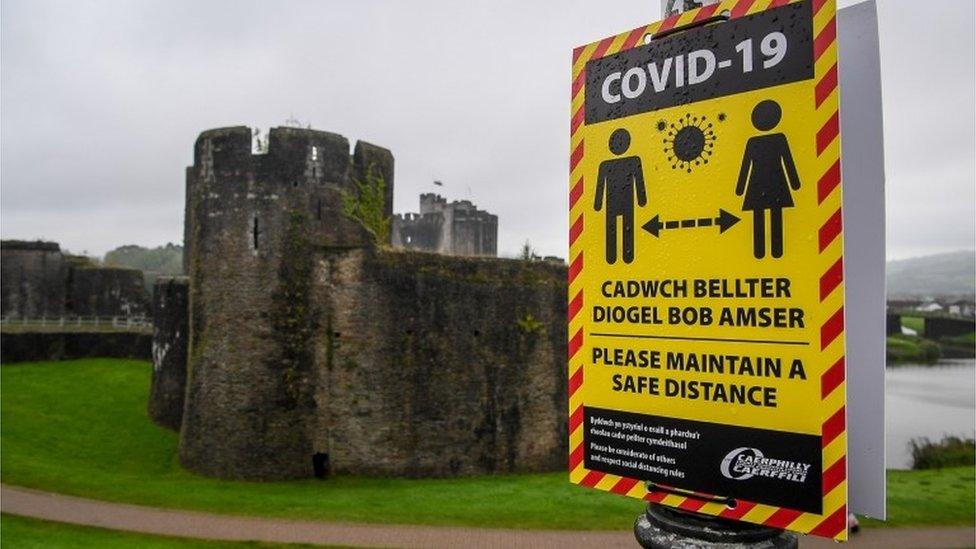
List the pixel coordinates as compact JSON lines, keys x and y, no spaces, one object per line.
{"x":299,"y":346}
{"x":38,"y":281}
{"x":456,"y":228}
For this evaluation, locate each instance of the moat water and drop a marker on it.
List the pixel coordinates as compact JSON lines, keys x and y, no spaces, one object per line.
{"x":928,"y":401}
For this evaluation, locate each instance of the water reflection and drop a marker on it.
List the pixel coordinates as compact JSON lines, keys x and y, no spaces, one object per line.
{"x":928,"y":401}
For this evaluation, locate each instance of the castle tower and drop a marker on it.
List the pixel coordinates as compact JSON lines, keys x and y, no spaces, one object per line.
{"x":312,"y":351}
{"x":255,"y":224}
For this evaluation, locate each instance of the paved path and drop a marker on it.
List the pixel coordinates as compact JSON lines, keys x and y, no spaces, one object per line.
{"x":170,"y":522}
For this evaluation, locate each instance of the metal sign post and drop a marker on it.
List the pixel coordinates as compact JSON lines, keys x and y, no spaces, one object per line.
{"x":677,"y":7}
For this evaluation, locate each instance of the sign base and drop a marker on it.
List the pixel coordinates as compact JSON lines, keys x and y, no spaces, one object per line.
{"x":663,"y":527}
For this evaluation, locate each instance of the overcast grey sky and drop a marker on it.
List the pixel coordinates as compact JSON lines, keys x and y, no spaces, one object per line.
{"x":101,"y":102}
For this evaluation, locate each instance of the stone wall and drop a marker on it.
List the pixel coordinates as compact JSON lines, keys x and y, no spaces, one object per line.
{"x":419,"y":365}
{"x":171,"y":326}
{"x":434,"y":366}
{"x":31,"y":279}
{"x":937,"y":327}
{"x":413,"y":231}
{"x":37,"y":280}
{"x":892,"y":324}
{"x":34,"y":346}
{"x":107,"y":291}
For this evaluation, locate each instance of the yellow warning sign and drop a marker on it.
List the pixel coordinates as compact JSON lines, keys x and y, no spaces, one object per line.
{"x":706,"y":294}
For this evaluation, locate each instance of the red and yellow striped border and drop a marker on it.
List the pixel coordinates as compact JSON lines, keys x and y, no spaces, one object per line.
{"x":833,"y":522}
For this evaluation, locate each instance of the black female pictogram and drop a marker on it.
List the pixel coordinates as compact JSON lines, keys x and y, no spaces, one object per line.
{"x":618,"y":181}
{"x":766,"y":177}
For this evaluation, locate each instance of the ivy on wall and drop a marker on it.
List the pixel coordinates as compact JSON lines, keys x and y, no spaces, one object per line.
{"x":366,"y":202}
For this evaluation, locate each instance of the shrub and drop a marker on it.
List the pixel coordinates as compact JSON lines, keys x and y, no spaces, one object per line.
{"x":906,"y":348}
{"x":930,"y":350}
{"x":951,"y":451}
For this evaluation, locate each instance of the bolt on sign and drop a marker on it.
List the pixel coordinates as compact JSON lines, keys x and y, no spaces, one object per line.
{"x":706,"y":315}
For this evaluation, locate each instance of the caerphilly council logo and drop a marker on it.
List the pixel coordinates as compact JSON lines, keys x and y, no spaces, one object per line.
{"x":745,"y":463}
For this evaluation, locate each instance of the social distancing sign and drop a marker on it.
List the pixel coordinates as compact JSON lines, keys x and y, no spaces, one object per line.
{"x":706,"y":366}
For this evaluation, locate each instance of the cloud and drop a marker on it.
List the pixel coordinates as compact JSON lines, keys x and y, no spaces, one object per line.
{"x":102,"y":102}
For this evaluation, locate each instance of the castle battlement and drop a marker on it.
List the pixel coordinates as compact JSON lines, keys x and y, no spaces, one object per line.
{"x":241,"y":201}
{"x":416,"y":217}
{"x":432,"y":198}
{"x":290,"y":155}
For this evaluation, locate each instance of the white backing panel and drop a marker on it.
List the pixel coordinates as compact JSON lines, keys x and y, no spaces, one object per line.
{"x":862,"y":168}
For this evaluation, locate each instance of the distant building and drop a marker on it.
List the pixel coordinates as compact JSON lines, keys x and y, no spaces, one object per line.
{"x":457,"y":228}
{"x":962,"y":308}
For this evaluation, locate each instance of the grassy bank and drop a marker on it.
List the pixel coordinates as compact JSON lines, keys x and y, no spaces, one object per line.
{"x":922,"y":349}
{"x":80,"y":427}
{"x":960,"y":346}
{"x":907,"y":348}
{"x":916,"y":323}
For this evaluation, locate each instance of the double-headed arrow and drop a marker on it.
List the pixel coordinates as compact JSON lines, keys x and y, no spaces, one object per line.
{"x":723,"y":222}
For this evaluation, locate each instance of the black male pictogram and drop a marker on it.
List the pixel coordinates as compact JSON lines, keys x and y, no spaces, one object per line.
{"x":619,"y":182}
{"x":766,"y":177}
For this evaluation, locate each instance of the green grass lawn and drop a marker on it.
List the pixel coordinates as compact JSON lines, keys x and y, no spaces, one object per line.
{"x":931,"y":497}
{"x":80,"y":427}
{"x":26,"y":533}
{"x":916,"y":323}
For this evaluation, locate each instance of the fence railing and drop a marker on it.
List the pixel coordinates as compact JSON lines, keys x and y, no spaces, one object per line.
{"x":107,"y":322}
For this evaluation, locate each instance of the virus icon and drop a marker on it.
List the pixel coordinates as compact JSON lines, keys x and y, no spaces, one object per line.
{"x":689,"y":142}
